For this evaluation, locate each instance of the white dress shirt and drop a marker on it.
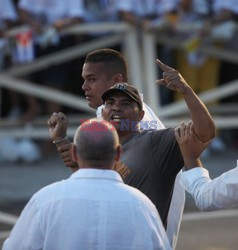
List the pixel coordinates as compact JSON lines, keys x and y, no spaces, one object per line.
{"x":100,"y":10}
{"x":93,"y":209}
{"x":7,"y":12}
{"x":52,"y":10}
{"x":231,"y":5}
{"x":143,"y":8}
{"x":221,"y":192}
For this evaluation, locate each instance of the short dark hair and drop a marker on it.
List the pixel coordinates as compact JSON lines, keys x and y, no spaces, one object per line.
{"x":112,"y":59}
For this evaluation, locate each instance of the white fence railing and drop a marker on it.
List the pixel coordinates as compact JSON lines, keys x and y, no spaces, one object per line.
{"x":143,"y":72}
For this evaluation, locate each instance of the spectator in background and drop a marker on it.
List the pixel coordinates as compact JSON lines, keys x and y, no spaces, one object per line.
{"x":223,"y":26}
{"x":202,"y":70}
{"x":46,"y":18}
{"x":12,"y":149}
{"x":93,"y":209}
{"x":226,"y":14}
{"x":99,"y":11}
{"x":146,"y":16}
{"x":8,"y":18}
{"x":94,"y":12}
{"x":143,"y":13}
{"x":220,"y":28}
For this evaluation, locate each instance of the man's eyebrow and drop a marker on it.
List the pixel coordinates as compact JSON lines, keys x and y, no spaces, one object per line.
{"x":110,"y":98}
{"x":89,"y":75}
{"x":124,"y":99}
{"x":127,"y":99}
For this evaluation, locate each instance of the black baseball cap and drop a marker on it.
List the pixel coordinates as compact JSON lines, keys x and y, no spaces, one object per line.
{"x":125,"y":88}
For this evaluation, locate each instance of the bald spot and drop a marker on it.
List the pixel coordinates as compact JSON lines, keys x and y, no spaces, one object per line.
{"x":96,"y":141}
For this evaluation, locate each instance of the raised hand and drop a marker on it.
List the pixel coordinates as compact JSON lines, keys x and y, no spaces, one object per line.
{"x":190,"y":146}
{"x":58,"y":124}
{"x":172,"y":79}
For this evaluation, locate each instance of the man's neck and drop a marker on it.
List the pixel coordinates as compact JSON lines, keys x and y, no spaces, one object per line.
{"x":125,"y":136}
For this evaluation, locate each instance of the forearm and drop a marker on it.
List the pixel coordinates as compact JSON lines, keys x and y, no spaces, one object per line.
{"x":190,"y":163}
{"x":211,"y":194}
{"x":203,"y":123}
{"x":64,"y":148}
{"x":194,"y":181}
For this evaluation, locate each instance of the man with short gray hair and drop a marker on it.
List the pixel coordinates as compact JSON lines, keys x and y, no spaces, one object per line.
{"x":93,"y":209}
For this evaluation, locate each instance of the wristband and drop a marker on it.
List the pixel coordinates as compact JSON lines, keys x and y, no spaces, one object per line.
{"x":60,"y":140}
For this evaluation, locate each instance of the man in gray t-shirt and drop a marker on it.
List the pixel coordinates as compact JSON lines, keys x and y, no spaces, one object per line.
{"x":150,"y":159}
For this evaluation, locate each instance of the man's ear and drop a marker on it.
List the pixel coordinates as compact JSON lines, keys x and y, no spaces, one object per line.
{"x":118,"y":78}
{"x":118,"y":153}
{"x":74,"y":153}
{"x":141,"y":114}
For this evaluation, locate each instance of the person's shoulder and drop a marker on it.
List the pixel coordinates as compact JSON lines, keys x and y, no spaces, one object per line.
{"x":136,"y":195}
{"x":41,"y":198}
{"x":162,"y":136}
{"x":49,"y":192}
{"x":161,"y":132}
{"x":155,"y":132}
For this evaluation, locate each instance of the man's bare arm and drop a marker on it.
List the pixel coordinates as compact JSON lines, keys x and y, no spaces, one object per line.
{"x":58,"y":124}
{"x":191,"y":148}
{"x":203,"y":123}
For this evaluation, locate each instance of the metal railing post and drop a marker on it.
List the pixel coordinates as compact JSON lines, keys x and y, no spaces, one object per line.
{"x":151,"y":90}
{"x":133,"y":56}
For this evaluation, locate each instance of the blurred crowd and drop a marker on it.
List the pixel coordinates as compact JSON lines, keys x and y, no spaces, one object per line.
{"x":38,"y":27}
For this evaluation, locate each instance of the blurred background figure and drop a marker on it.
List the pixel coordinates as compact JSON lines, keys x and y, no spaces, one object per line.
{"x":94,"y":12}
{"x":202,"y":71}
{"x":46,"y":18}
{"x":11,"y":149}
{"x":206,"y":23}
{"x":151,"y":16}
{"x":223,"y":26}
{"x":8,"y":18}
{"x":144,"y":14}
{"x":99,"y":11}
{"x":195,"y":22}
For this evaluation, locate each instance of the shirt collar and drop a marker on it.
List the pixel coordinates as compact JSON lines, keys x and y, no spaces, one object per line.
{"x":99,"y":111}
{"x":92,"y":173}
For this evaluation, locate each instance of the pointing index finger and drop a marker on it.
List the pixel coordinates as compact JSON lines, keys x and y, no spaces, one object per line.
{"x":163,"y":66}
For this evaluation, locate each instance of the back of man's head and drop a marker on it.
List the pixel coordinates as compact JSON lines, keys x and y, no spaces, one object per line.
{"x":96,"y":144}
{"x":113,"y":60}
